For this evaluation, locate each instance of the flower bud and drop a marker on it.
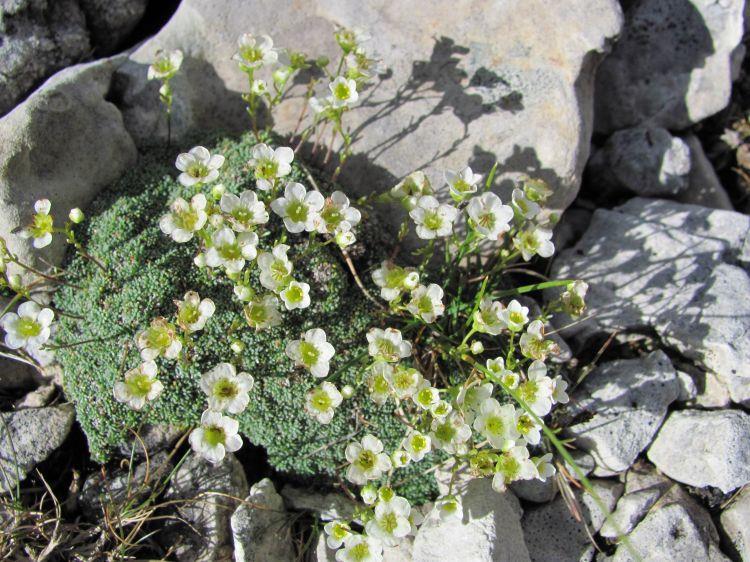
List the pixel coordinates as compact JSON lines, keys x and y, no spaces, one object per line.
{"x":347,"y":391}
{"x":237,"y":346}
{"x":322,"y":62}
{"x":386,"y":493}
{"x":477,"y":347}
{"x":216,"y":220}
{"x":200,"y":260}
{"x":14,"y":282}
{"x":76,"y":216}
{"x":218,"y":190}
{"x":369,"y":494}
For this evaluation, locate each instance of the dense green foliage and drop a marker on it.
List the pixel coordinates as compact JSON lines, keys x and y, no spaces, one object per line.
{"x":149,"y":271}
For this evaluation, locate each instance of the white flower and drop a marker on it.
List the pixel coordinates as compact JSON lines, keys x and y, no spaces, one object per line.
{"x":427,"y":302}
{"x":417,"y":444}
{"x":360,"y":548}
{"x":426,"y":396}
{"x":441,"y":409}
{"x":184,"y":219}
{"x":367,"y":460}
{"x":488,"y":319}
{"x":245,"y":211}
{"x":343,"y":92}
{"x":533,"y":344}
{"x":573,"y":297}
{"x":544,"y":466}
{"x":198,"y":166}
{"x":387,"y":345}
{"x":390,"y":523}
{"x":394,"y":280}
{"x":253,"y":53}
{"x":41,"y":229}
{"x":312,"y":352}
{"x":462,"y":183}
{"x":262,"y":312}
{"x":449,"y":507}
{"x":473,"y":397}
{"x":525,"y":207}
{"x":404,"y":381}
{"x":513,"y":465}
{"x":28,"y":327}
{"x":344,"y":236}
{"x":296,"y":295}
{"x":216,"y":436}
{"x":165,"y":65}
{"x":528,"y":428}
{"x":337,"y":531}
{"x":400,"y":458}
{"x":270,"y":165}
{"x":497,"y":423}
{"x":321,"y":401}
{"x":226,"y":389}
{"x":378,"y":383}
{"x":160,"y":338}
{"x":337,"y":214}
{"x":433,"y":219}
{"x":450,"y":433}
{"x":411,"y":188}
{"x":140,"y":386}
{"x":231,"y":250}
{"x":351,"y":39}
{"x":537,"y":390}
{"x":258,"y":87}
{"x":275,"y":268}
{"x":193,"y":313}
{"x":489,"y":216}
{"x":534,"y":240}
{"x":515,"y":316}
{"x":506,"y":376}
{"x":559,"y":387}
{"x":299,"y":208}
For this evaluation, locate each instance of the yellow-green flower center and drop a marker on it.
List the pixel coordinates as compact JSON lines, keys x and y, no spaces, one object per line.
{"x":139,"y":385}
{"x":28,"y":328}
{"x":225,"y":389}
{"x":366,"y":459}
{"x":321,"y":401}
{"x":214,"y":435}
{"x":297,"y":211}
{"x":309,"y":353}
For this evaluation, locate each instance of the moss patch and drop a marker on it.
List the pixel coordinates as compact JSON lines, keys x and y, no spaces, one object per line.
{"x":149,"y":271}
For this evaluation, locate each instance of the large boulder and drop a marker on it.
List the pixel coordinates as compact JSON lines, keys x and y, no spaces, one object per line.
{"x":554,"y":533}
{"x":40,"y":37}
{"x":704,"y":448}
{"x":489,"y":531}
{"x":734,"y":524}
{"x":205,"y":496}
{"x":508,"y":81}
{"x":64,"y":143}
{"x":673,"y":65}
{"x":260,"y":526}
{"x":676,"y":528}
{"x":27,"y":437}
{"x":626,"y":402}
{"x":675,"y":269}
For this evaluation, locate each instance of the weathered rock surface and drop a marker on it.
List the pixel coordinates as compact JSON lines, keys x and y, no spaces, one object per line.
{"x":208,"y":492}
{"x":151,"y":439}
{"x":628,"y":401}
{"x":676,"y":528}
{"x":704,"y":186}
{"x":27,"y":437}
{"x":735,"y":524}
{"x":327,"y":507}
{"x":64,"y":143}
{"x":643,"y":488}
{"x":509,"y":81}
{"x":552,"y":533}
{"x":672,"y":66}
{"x":704,"y":448}
{"x":124,"y":485}
{"x":490,"y":530}
{"x":40,"y":37}
{"x":260,"y":526}
{"x":673,"y":268}
{"x":648,"y":161}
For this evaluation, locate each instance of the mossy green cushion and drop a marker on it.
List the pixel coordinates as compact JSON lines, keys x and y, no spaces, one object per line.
{"x":149,"y":271}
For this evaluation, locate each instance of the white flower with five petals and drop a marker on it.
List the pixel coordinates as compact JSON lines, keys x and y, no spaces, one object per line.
{"x":299,"y":208}
{"x":198,"y":166}
{"x":28,"y":327}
